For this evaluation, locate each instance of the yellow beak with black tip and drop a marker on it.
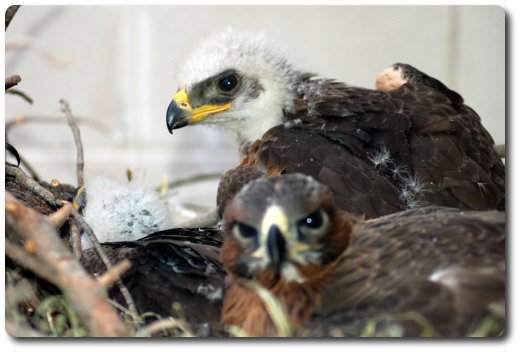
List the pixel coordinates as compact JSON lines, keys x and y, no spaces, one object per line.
{"x":180,"y":113}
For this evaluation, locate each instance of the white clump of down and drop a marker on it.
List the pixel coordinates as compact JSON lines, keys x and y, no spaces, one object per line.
{"x":210,"y":292}
{"x":255,"y":57}
{"x":447,"y":277}
{"x":122,"y":211}
{"x":412,"y":192}
{"x":381,"y":158}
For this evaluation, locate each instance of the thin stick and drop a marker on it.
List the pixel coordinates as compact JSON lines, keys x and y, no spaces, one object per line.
{"x":75,"y":240}
{"x":101,"y":254}
{"x":87,"y":296}
{"x":25,"y":181}
{"x":27,"y":119}
{"x":22,"y":257}
{"x":21,"y":94}
{"x":29,"y":169}
{"x":111,"y":276}
{"x":191,"y":180}
{"x":59,"y":217}
{"x":77,"y":139}
{"x":12,"y":81}
{"x":161,"y":325}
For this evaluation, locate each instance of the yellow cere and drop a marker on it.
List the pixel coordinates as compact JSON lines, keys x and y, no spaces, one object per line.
{"x":197,"y":114}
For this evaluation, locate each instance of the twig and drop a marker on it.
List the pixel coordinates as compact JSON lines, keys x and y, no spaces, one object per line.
{"x":191,"y":180}
{"x":101,"y":254}
{"x":75,"y":240}
{"x":111,"y":276}
{"x":13,"y":152}
{"x":161,"y":325}
{"x":61,"y":215}
{"x":21,"y":94}
{"x":21,"y":161}
{"x":87,"y":295}
{"x":77,"y":139}
{"x":22,"y":257}
{"x":9,"y":14}
{"x":23,"y":180}
{"x":31,"y":44}
{"x":25,"y":119}
{"x":12,"y":81}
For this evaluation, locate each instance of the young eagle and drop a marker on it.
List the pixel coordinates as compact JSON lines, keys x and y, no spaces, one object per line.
{"x":429,"y":271}
{"x":432,"y":270}
{"x":411,"y":142}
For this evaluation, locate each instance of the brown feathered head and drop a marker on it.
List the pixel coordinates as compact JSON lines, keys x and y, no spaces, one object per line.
{"x":283,"y":234}
{"x":283,"y":228}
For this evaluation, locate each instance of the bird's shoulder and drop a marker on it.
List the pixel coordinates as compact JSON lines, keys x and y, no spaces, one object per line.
{"x":428,"y":262}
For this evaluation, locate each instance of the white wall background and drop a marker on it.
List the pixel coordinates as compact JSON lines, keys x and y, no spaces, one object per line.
{"x":117,"y":65}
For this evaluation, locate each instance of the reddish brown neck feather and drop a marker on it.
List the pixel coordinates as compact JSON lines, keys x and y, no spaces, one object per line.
{"x":242,"y":306}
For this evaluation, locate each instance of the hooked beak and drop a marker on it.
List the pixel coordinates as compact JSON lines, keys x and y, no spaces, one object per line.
{"x":276,"y":247}
{"x":274,"y":232}
{"x":180,"y":113}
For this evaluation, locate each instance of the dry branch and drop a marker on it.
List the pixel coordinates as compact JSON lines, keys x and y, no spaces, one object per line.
{"x":22,"y":257}
{"x":101,"y":254}
{"x":161,"y":326}
{"x":23,"y":180}
{"x":21,"y":94}
{"x":193,"y":179}
{"x":12,"y":81}
{"x":111,"y":276}
{"x":61,"y":215}
{"x":75,"y":240}
{"x":87,"y":295}
{"x":27,"y":119}
{"x":77,"y":139}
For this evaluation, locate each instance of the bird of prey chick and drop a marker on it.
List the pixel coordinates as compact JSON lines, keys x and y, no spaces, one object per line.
{"x":437,"y":271}
{"x":409,"y":143}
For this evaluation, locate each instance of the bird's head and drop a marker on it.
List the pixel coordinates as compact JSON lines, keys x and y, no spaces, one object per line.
{"x":284,"y":227}
{"x":237,"y":81}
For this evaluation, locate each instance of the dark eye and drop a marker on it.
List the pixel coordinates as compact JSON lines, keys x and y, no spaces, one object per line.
{"x":313,"y":221}
{"x":228,"y":83}
{"x":314,"y":224}
{"x":245,"y":231}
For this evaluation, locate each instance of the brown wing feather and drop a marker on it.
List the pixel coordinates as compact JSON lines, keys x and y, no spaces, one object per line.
{"x":381,"y":152}
{"x":438,"y":263}
{"x":178,"y":265}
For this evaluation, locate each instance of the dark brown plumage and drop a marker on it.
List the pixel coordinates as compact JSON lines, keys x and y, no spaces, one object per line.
{"x":443,"y":263}
{"x":435,"y":271}
{"x":382,"y":152}
{"x":333,"y":273}
{"x":410,"y":143}
{"x":177,"y":265}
